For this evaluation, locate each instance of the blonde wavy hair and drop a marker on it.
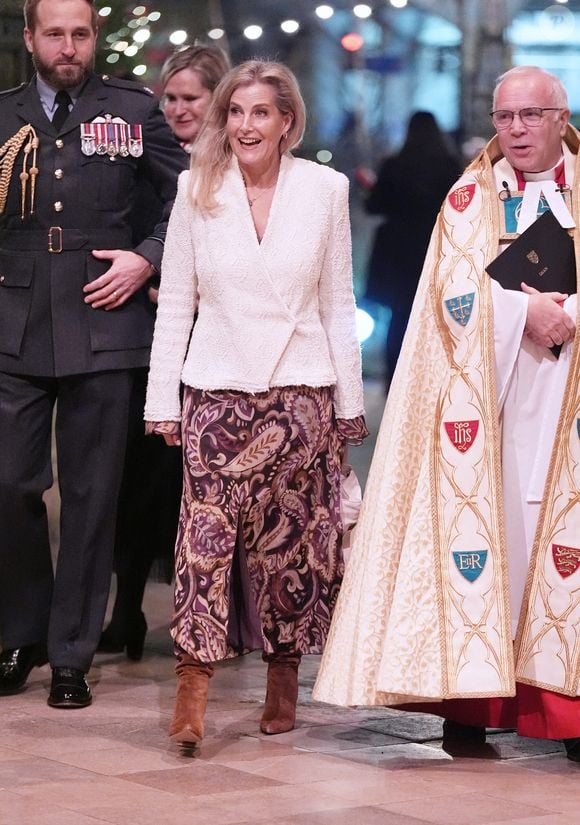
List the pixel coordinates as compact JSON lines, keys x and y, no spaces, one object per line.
{"x":212,"y":152}
{"x":210,"y":63}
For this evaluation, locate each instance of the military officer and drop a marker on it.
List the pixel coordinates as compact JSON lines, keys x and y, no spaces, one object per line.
{"x":74,"y":324}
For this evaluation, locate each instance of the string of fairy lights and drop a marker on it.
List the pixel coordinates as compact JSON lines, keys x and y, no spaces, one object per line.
{"x":132,"y":35}
{"x":124,"y":45}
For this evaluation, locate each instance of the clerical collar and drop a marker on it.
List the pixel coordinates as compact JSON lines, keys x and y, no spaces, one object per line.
{"x":541,"y":189}
{"x":556,"y":172}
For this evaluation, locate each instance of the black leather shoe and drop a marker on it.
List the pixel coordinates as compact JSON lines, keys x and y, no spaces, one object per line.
{"x":69,"y":689}
{"x":572,"y":748}
{"x":16,"y":664}
{"x":458,"y":732}
{"x":465,"y":740}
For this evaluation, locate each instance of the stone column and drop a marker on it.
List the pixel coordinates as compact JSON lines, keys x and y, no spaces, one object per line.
{"x":15,"y":64}
{"x":485,"y":55}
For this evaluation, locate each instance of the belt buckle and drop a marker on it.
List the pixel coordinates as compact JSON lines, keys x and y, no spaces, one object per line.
{"x":55,"y":242}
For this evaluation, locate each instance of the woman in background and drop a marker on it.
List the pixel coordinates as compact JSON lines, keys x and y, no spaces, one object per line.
{"x":148,"y":508}
{"x":409,"y":191}
{"x":259,"y":247}
{"x":188,"y":80}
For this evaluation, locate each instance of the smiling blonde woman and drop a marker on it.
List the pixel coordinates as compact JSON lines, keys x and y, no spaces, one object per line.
{"x":259,"y":247}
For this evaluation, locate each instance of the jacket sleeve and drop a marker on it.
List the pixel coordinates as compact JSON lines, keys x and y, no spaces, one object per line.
{"x":161,"y":163}
{"x":337,"y":306}
{"x":175,"y":313}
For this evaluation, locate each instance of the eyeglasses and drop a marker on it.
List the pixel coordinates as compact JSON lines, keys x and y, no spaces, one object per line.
{"x":531,"y":116}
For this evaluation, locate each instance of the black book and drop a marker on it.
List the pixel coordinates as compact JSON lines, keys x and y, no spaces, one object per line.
{"x":542,"y":257}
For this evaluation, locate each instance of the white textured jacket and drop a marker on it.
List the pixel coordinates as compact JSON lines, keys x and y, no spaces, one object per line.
{"x":276,"y":313}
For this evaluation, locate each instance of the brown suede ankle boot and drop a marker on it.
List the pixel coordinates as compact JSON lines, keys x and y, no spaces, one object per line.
{"x":191,"y":700}
{"x":282,"y":692}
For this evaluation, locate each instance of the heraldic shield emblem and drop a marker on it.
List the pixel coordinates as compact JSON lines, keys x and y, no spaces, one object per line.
{"x":470,"y":563}
{"x":460,"y":307}
{"x":460,"y":198}
{"x":462,"y":433}
{"x":566,"y":559}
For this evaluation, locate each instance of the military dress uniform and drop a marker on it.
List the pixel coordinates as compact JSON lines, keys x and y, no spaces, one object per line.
{"x":64,"y":193}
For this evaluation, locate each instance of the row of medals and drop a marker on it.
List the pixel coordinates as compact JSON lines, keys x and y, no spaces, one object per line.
{"x":111,"y":136}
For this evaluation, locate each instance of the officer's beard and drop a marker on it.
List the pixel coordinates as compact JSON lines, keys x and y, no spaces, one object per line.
{"x":63,"y":75}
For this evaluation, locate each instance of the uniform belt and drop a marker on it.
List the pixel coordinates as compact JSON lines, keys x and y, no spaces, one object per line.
{"x":56,"y":239}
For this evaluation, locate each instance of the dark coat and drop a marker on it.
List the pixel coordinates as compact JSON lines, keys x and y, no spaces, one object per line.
{"x":409,"y":192}
{"x":45,"y":327}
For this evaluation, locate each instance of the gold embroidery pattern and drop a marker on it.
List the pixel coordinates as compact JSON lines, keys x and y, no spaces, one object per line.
{"x":389,"y":588}
{"x":467,"y":512}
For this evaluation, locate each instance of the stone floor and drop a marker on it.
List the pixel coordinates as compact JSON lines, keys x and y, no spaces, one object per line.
{"x":113,"y":763}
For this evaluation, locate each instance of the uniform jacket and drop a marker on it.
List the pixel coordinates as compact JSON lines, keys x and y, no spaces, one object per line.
{"x":273,"y":313}
{"x":46,"y":329}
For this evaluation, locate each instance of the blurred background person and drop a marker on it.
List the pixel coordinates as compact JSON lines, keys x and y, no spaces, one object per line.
{"x":260,"y":248}
{"x":151,"y":490}
{"x":408,"y":191}
{"x":188,"y":80}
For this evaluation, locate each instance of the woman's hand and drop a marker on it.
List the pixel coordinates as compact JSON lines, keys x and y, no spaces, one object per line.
{"x":170,"y":430}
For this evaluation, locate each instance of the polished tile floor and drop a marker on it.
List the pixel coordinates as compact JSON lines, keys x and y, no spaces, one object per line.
{"x":113,"y":762}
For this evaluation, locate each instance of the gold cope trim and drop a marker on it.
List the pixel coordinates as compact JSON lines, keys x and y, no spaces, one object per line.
{"x":475,"y":368}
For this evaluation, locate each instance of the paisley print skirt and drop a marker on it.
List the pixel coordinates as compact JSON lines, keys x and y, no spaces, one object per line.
{"x":258,"y":558}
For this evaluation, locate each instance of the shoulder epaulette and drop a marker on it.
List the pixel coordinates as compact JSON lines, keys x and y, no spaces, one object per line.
{"x":122,"y":83}
{"x":8,"y":92}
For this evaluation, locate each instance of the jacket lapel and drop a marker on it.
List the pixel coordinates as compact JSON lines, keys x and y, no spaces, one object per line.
{"x":29,"y":108}
{"x":91,"y":103}
{"x":233,"y":195}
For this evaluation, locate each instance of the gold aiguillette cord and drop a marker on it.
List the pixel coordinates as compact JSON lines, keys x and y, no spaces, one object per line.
{"x":27,"y":140}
